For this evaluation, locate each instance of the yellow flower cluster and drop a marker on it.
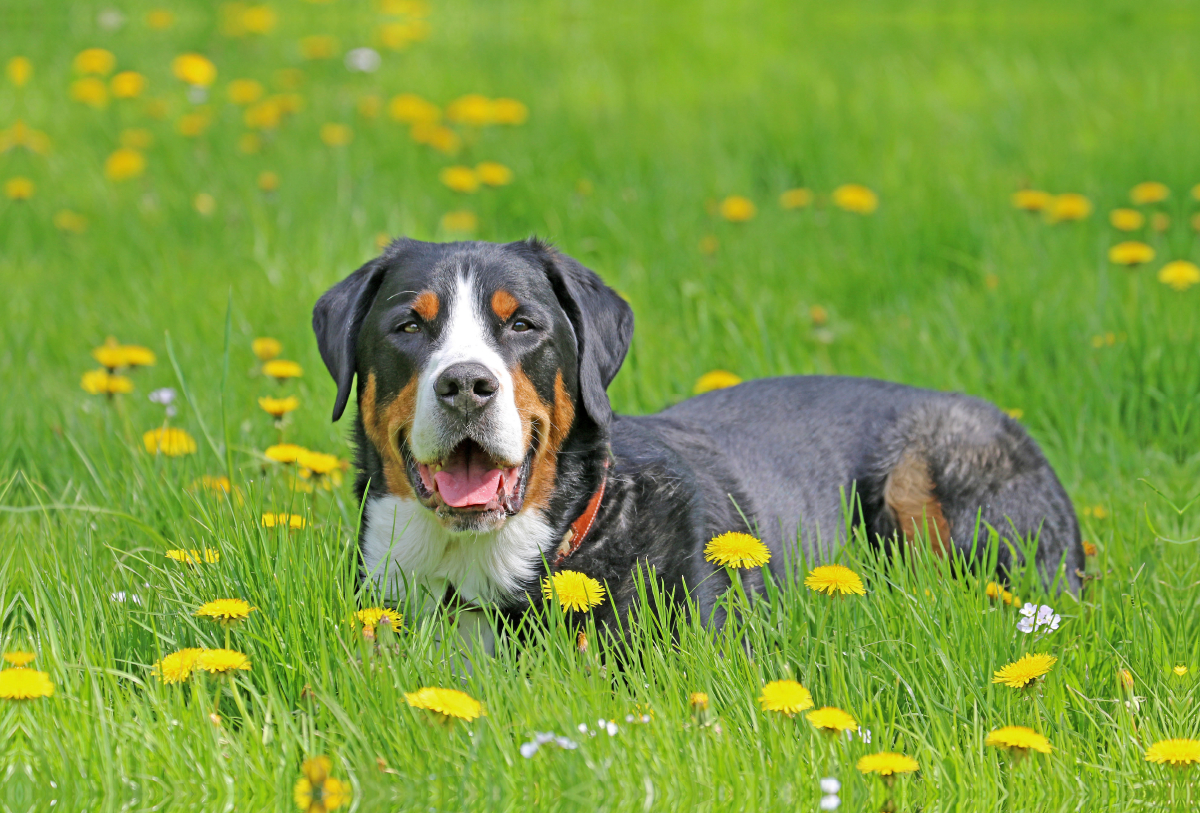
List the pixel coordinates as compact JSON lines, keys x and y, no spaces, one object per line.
{"x":179,"y":666}
{"x":448,"y":704}
{"x":852,"y":197}
{"x":575,"y":591}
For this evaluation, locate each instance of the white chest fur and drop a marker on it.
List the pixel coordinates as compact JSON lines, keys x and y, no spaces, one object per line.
{"x":404,"y":543}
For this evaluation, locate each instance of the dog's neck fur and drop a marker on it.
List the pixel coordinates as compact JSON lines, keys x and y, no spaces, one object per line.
{"x":404,"y":547}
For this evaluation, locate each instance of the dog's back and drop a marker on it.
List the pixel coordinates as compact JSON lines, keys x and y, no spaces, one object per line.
{"x":797,"y":446}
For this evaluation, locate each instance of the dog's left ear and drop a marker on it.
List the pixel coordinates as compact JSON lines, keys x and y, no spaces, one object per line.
{"x":603,"y":324}
{"x":337,"y":319}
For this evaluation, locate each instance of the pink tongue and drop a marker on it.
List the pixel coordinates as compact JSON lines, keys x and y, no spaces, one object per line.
{"x":467,"y":483}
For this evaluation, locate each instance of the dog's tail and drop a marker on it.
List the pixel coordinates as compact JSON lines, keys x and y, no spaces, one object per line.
{"x":954,"y":460}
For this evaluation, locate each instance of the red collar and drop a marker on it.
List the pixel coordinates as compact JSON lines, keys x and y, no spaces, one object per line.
{"x":582,"y":526}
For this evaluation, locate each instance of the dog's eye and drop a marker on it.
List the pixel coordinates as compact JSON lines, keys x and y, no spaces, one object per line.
{"x":410,"y":327}
{"x":520,"y":326}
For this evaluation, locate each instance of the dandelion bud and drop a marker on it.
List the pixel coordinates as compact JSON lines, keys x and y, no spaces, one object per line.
{"x":581,"y":642}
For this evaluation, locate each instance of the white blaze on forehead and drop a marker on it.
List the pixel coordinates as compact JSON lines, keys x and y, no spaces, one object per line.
{"x":466,"y":338}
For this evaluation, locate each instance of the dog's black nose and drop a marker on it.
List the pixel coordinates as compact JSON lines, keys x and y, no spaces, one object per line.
{"x":466,"y":386}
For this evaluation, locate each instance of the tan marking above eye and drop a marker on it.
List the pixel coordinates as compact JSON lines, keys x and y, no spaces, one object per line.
{"x":504,"y":304}
{"x":426,"y":305}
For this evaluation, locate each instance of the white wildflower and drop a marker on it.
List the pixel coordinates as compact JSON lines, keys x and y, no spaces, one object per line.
{"x":830,"y":802}
{"x":830,"y":785}
{"x":363,"y":60}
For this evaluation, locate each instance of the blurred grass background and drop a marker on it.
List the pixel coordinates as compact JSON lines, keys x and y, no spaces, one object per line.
{"x":641,"y":120}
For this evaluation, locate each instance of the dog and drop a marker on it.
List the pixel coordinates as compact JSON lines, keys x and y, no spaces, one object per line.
{"x":487,"y":449}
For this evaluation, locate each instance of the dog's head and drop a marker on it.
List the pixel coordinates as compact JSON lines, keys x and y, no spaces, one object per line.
{"x":475,"y":361}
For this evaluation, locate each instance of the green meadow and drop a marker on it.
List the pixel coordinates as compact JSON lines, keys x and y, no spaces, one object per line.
{"x":190,"y":217}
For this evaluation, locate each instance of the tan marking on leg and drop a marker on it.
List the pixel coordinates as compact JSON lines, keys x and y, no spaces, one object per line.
{"x":504,"y":304}
{"x":383,"y":428}
{"x":552,"y":423}
{"x":426,"y":305}
{"x":908,"y":492}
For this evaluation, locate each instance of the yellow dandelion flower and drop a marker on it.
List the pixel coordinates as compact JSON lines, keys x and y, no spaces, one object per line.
{"x":1179,"y":274}
{"x":461,"y":220}
{"x":509,"y":111}
{"x":796,"y":198}
{"x":268,"y":181}
{"x":410,"y":108}
{"x":66,"y":220}
{"x":1018,"y":738}
{"x":698,"y":701}
{"x":316,"y":791}
{"x":192,"y":125}
{"x":191,"y":557}
{"x":834,"y":579}
{"x":442,"y":139}
{"x":785,"y":696}
{"x":222,"y":661}
{"x":575,"y":590}
{"x":738,"y":550}
{"x":90,"y":91}
{"x":473,"y":110}
{"x":210,"y":482}
{"x":258,"y":19}
{"x":831,"y":718}
{"x":178,"y":666}
{"x":124,"y":164}
{"x":19,"y":188}
{"x":318,"y":462}
{"x":737,"y":209}
{"x":1025,"y":670}
{"x":284,"y":452}
{"x":1125,"y":679}
{"x":127,"y":85}
{"x":245,"y":91}
{"x":266,"y":348}
{"x":280,"y":370}
{"x":855,"y":198}
{"x":1126,"y":219}
{"x":19,"y":657}
{"x":1149,"y":192}
{"x":887,"y":763}
{"x":159,"y":19}
{"x":262,"y":116}
{"x":493,"y":173}
{"x":1031,"y":200}
{"x":19,"y":70}
{"x":278,"y":407}
{"x":1175,"y":752}
{"x":293,"y":521}
{"x":137,"y":138}
{"x":1131,"y":252}
{"x":97,"y":61}
{"x":20,"y":683}
{"x":715,"y":380}
{"x":1180,"y":670}
{"x":460,"y":179}
{"x":318,"y":46}
{"x":371,"y":617}
{"x":1068,"y":206}
{"x":1089,"y":549}
{"x":170,"y":442}
{"x":102,"y":382}
{"x":195,"y":69}
{"x":226,"y":611}
{"x":336,"y":135}
{"x":450,"y":703}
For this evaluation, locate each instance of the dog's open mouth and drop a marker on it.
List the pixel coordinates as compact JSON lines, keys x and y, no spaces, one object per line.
{"x":469,"y":480}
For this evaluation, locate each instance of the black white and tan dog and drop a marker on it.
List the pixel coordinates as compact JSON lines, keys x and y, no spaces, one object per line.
{"x":487,"y":448}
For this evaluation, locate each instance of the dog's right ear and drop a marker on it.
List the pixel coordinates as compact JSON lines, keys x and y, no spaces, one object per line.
{"x":337,"y":319}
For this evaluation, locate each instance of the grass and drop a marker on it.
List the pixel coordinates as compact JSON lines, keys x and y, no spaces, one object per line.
{"x":640,"y":121}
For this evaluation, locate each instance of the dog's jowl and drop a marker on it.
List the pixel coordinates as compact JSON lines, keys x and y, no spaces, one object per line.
{"x":487,"y":446}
